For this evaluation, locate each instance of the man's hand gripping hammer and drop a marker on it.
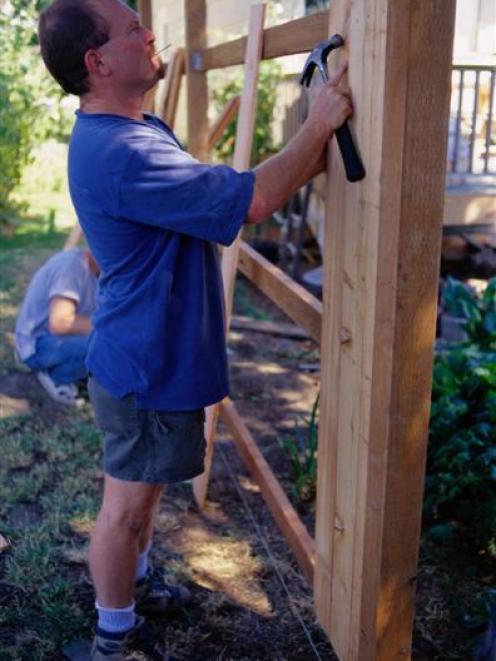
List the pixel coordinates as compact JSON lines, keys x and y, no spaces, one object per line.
{"x":318,"y":59}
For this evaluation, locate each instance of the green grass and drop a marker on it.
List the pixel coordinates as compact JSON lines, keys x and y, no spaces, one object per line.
{"x":49,"y":477}
{"x":48,"y":499}
{"x":43,"y":189}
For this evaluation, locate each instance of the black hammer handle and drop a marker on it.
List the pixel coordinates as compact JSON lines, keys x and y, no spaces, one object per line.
{"x":352,"y":161}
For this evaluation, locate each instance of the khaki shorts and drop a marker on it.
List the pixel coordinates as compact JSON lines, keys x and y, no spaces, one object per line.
{"x":157,"y":447}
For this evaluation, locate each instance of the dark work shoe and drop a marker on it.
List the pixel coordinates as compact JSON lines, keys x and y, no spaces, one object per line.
{"x":153,"y":596}
{"x":135,"y":645}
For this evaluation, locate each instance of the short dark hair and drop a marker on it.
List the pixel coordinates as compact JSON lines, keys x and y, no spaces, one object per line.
{"x":66,"y":30}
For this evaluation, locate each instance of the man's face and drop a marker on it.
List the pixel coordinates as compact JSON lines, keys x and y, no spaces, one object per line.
{"x":129,"y":53}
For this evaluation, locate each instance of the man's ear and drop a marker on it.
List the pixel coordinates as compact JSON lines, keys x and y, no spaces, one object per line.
{"x":95,"y":64}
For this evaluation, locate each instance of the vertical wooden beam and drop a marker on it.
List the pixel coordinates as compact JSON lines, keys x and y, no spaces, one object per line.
{"x":242,"y":153}
{"x":145,"y":13}
{"x":195,"y":12}
{"x":146,"y":17}
{"x":244,"y":137}
{"x":172,"y":84}
{"x":380,"y":297}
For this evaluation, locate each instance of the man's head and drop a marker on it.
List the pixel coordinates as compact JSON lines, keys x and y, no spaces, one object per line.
{"x":90,"y":44}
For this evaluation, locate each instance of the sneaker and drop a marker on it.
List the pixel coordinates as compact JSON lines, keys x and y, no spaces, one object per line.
{"x":135,"y":645}
{"x":153,"y":596}
{"x":63,"y":394}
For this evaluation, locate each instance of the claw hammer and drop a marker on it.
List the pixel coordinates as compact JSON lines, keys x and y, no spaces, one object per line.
{"x":318,"y":59}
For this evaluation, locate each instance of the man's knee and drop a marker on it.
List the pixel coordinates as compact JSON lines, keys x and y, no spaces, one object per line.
{"x":127,"y":506}
{"x":131,"y":520}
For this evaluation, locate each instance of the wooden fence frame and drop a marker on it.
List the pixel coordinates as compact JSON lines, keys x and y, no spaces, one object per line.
{"x":377,"y":324}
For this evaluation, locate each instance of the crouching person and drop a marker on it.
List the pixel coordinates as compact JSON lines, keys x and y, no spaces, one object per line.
{"x":53,"y":326}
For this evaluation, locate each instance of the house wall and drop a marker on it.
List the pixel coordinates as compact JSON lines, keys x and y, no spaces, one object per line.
{"x":475,"y":32}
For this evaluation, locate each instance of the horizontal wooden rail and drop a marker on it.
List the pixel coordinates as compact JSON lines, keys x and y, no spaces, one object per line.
{"x":289,"y":330}
{"x":289,"y":522}
{"x":298,"y":36}
{"x":293,"y":299}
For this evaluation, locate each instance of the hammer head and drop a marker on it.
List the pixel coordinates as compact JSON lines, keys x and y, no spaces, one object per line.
{"x":318,"y":59}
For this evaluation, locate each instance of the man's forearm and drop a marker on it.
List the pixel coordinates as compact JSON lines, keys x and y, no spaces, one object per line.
{"x":78,"y":325}
{"x":279,"y":177}
{"x":63,"y":319}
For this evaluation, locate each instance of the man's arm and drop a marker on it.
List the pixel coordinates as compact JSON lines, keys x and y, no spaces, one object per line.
{"x":64,"y":320}
{"x":280,"y":176}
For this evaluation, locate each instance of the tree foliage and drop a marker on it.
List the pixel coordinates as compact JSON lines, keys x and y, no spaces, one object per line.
{"x":30,"y":108}
{"x":461,"y":463}
{"x":269,"y":77}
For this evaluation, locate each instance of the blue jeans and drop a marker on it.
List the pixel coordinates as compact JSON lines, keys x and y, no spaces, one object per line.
{"x":61,"y":356}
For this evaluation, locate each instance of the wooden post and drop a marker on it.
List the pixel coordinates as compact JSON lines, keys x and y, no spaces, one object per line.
{"x":242,"y":153}
{"x":195,"y":12}
{"x":380,"y":296}
{"x":146,"y":17}
{"x":244,"y":136}
{"x":172,"y":83}
{"x":145,"y":13}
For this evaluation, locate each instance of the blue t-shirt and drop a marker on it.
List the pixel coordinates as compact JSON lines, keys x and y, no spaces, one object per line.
{"x":152,"y":215}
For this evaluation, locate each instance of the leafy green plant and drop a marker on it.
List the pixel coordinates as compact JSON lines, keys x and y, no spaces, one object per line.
{"x":461,"y":463}
{"x":301,"y":448}
{"x":263,"y":145}
{"x":30,"y":108}
{"x":479,"y":312}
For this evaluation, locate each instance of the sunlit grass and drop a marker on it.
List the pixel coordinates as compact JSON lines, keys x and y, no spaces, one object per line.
{"x":44,"y":190}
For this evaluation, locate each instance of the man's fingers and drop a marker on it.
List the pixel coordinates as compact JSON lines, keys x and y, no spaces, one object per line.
{"x":336,"y":78}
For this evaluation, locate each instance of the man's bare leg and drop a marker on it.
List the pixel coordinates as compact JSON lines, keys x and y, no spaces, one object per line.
{"x":123,"y":529}
{"x":147,"y":535}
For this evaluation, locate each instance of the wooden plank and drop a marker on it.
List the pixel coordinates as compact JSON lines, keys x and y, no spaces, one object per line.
{"x":244,"y":137}
{"x":175,"y":73}
{"x":225,"y":118}
{"x":380,"y":296}
{"x":293,"y":299}
{"x":298,"y":36}
{"x":285,"y":515}
{"x":200,"y":483}
{"x":145,"y":13}
{"x":242,"y":152}
{"x":196,"y":40}
{"x":239,"y":322}
{"x":146,"y":17}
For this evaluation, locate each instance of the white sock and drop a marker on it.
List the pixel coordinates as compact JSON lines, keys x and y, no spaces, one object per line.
{"x":143,"y":562}
{"x":116,"y":620}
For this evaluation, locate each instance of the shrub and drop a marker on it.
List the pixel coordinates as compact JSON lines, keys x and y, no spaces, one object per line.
{"x":263,"y":146}
{"x":30,"y":109}
{"x":461,"y":462}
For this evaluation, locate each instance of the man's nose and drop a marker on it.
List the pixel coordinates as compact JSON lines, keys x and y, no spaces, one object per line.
{"x":149,"y":37}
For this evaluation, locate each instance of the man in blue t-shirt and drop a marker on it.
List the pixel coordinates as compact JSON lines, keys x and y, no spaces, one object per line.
{"x":153,"y":216}
{"x":53,"y":325}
